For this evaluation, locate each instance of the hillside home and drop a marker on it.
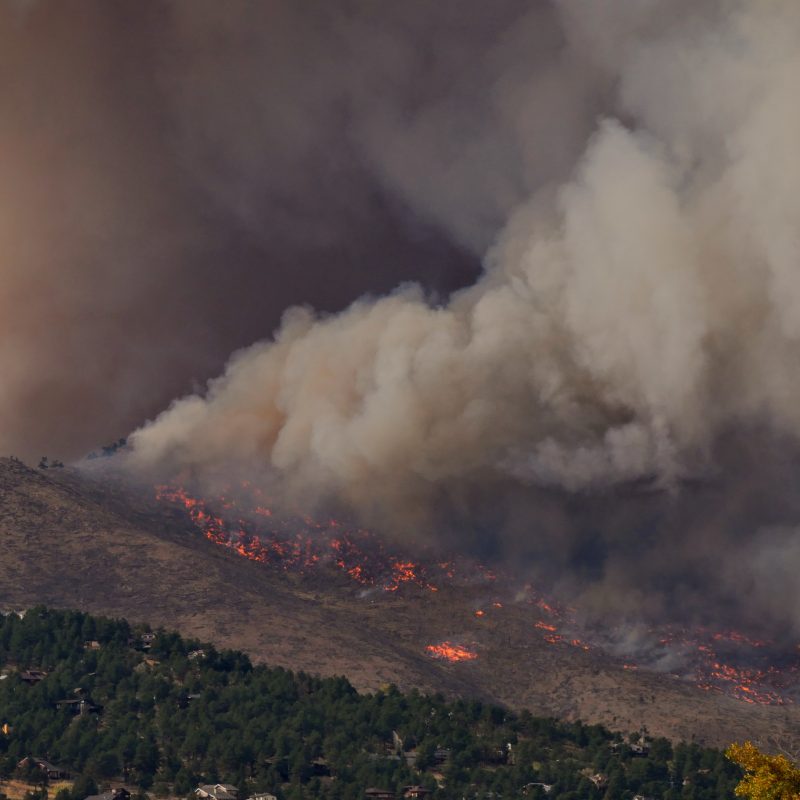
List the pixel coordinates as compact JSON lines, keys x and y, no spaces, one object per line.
{"x":79,"y":706}
{"x":640,"y":748}
{"x":217,"y":791}
{"x":53,"y":772}
{"x":32,"y":676}
{"x":599,"y":780}
{"x":545,"y":787}
{"x":441,"y":756}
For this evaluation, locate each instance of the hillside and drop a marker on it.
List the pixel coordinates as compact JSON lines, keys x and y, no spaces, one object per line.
{"x":164,"y":714}
{"x":72,"y":541}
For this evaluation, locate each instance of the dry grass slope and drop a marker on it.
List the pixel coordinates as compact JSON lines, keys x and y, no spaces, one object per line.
{"x":72,"y":541}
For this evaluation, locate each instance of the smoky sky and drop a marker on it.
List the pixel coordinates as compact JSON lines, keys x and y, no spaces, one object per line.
{"x":174,"y":175}
{"x":522,"y":277}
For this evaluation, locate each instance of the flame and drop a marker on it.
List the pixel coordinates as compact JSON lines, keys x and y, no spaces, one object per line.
{"x":546,"y":607}
{"x":298,"y":542}
{"x":243,"y":520}
{"x":715,"y":664}
{"x":447,"y":651}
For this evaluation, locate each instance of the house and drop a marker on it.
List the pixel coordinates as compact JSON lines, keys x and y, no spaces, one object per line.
{"x":53,"y":772}
{"x":146,"y":640}
{"x":217,"y":791}
{"x":32,"y":676}
{"x":111,"y":794}
{"x":194,"y":655}
{"x":320,"y":767}
{"x":441,"y":755}
{"x":79,"y":706}
{"x":497,"y":755}
{"x":640,"y":748}
{"x":262,"y":796}
{"x":416,"y":791}
{"x":599,"y":780}
{"x":379,"y":794}
{"x":185,"y":699}
{"x":91,"y":645}
{"x":546,"y":787}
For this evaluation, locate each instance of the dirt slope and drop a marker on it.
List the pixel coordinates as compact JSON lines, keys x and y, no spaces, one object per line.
{"x":68,"y":540}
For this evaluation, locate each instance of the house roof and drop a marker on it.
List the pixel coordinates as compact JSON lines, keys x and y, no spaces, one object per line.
{"x":43,"y":763}
{"x":222,"y":791}
{"x":48,"y":766}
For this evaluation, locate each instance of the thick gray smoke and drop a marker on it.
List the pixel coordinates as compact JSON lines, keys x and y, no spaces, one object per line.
{"x":640,"y":301}
{"x":613,"y":395}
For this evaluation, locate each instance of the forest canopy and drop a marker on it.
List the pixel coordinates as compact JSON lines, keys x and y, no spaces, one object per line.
{"x":113,"y":702}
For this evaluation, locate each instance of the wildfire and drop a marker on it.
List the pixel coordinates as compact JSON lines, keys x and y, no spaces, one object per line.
{"x":730,"y":663}
{"x":447,"y":651}
{"x":545,"y":606}
{"x":246,"y":522}
{"x":299,"y":543}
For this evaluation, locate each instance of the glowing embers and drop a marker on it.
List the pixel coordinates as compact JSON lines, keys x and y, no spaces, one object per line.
{"x":448,"y":651}
{"x":726,"y":662}
{"x":244,"y":521}
{"x":545,"y":626}
{"x":246,"y":524}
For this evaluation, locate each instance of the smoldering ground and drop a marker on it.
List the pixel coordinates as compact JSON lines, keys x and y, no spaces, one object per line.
{"x":627,"y":175}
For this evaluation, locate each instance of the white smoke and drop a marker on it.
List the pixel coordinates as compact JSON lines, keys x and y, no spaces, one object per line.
{"x":625,"y":317}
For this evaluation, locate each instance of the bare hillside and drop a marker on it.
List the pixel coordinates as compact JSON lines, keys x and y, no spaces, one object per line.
{"x":68,"y":540}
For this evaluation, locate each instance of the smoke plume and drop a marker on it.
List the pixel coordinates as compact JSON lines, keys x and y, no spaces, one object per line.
{"x":614,"y":394}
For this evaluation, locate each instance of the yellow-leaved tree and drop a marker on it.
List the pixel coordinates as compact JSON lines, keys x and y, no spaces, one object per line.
{"x":765,"y":777}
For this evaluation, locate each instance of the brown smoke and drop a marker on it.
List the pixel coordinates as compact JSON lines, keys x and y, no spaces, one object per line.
{"x":626,"y":171}
{"x":640,"y":300}
{"x":623,"y":319}
{"x":174,"y":176}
